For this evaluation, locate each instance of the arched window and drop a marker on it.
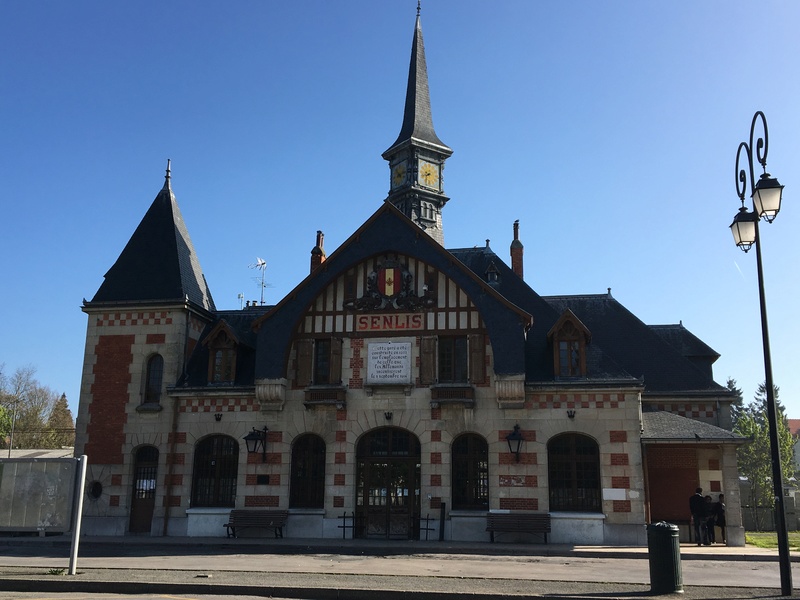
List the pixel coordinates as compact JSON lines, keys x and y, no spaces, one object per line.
{"x":470,"y":474}
{"x":307,"y":488}
{"x":155,"y":377}
{"x":574,"y":473}
{"x":216,"y":463}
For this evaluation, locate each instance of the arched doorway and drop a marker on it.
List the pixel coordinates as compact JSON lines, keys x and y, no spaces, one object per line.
{"x":387,"y":490}
{"x":143,"y":499}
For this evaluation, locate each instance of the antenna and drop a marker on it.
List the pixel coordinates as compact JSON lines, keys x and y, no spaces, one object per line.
{"x":261,"y":265}
{"x":241,"y":300}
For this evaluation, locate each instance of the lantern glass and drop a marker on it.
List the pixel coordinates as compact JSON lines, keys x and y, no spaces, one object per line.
{"x":743,"y":229}
{"x":767,"y":197}
{"x":253,"y":440}
{"x":514,"y":440}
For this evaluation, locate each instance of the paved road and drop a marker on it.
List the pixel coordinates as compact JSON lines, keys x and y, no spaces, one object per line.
{"x":320,"y":570}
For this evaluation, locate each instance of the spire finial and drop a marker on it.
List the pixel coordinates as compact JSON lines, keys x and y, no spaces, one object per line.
{"x":418,"y":2}
{"x":167,"y":176}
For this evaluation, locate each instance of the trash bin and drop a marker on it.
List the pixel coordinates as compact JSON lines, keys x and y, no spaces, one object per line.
{"x":664,"y":553}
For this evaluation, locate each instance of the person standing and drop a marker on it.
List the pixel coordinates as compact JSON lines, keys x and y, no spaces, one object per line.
{"x":719,"y":514}
{"x":699,"y":510}
{"x":711,"y":520}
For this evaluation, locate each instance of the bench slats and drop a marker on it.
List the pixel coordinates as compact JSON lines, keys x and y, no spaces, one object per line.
{"x":518,"y":522}
{"x":268,"y":519}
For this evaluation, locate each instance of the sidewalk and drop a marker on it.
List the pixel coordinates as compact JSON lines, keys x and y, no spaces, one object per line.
{"x":356,"y":569}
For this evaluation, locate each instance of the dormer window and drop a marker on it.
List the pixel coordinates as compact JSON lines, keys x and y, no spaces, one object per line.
{"x":223,"y":366}
{"x":569,"y":352}
{"x":569,"y":338}
{"x":222,"y":346}
{"x":492,"y":274}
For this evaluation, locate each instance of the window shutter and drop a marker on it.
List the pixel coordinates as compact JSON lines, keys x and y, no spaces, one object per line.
{"x":427,"y":361}
{"x":336,"y":361}
{"x":477,"y":358}
{"x":303,"y":361}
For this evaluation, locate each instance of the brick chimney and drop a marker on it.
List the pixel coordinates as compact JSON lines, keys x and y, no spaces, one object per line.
{"x":516,"y":251}
{"x":317,"y":252}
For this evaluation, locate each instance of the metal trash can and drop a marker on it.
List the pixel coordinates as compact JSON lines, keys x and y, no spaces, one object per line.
{"x":664,"y":552}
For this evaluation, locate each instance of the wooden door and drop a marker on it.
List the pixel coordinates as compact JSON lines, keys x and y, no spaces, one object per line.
{"x":143,"y":497}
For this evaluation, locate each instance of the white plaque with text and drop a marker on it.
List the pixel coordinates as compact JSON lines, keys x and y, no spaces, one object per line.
{"x":389,"y":363}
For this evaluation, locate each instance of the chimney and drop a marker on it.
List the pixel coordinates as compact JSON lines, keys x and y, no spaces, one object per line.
{"x":317,"y":252}
{"x":516,"y":251}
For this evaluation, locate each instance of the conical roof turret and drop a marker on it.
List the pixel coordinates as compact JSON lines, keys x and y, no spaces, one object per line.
{"x":159,"y":263}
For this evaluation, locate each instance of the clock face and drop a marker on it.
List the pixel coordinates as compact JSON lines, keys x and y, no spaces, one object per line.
{"x":398,"y":174}
{"x":428,"y":174}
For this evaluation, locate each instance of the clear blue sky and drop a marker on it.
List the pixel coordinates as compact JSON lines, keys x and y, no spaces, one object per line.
{"x":609,"y":129}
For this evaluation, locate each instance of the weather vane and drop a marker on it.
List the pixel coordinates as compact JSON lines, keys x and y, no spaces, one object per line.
{"x":261,"y":265}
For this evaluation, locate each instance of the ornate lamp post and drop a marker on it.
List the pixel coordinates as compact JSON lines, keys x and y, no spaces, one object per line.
{"x":766,"y":195}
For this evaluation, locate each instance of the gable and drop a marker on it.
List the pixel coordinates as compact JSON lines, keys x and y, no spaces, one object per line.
{"x":389,"y":235}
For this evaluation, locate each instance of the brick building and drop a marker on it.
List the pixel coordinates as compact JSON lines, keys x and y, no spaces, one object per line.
{"x":392,"y":385}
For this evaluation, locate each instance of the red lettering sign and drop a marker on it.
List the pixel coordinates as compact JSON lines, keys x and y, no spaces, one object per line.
{"x":397,"y":322}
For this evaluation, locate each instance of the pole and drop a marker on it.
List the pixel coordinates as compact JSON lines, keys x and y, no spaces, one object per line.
{"x":77,"y":515}
{"x":442,"y":508}
{"x":772,"y":418}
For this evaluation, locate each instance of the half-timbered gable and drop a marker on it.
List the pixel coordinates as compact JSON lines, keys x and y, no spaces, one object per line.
{"x":461,"y":330}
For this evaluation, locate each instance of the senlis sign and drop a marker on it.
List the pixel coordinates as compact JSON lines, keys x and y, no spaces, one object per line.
{"x":394,"y":322}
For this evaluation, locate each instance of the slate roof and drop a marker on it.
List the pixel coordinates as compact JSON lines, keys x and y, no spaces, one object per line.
{"x":159,"y":263}
{"x":661,"y":426}
{"x":417,"y":118}
{"x":683,"y":340}
{"x":539,"y":355}
{"x":636,"y":347}
{"x":688,"y":345}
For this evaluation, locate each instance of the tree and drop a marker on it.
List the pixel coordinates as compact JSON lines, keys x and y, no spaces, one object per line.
{"x":737,"y":405}
{"x":5,"y":427}
{"x":755,"y":458}
{"x":60,"y":425}
{"x":30,"y":406}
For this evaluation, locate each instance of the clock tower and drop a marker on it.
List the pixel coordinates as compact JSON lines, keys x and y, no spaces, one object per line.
{"x":416,"y":159}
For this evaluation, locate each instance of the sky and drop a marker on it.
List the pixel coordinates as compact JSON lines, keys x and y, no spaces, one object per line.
{"x":609,"y":129}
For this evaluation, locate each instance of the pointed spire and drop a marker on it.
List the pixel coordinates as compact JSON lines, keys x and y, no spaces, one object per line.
{"x":417,"y":118}
{"x":167,"y":177}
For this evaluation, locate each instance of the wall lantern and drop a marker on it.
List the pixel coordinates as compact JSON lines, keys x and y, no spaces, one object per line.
{"x":514,"y":440}
{"x":256,"y":441}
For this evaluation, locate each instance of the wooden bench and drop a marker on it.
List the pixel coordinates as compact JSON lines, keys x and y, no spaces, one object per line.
{"x":256,"y":517}
{"x":515,"y":522}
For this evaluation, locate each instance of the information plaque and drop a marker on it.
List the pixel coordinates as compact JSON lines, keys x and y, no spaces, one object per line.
{"x":389,"y":363}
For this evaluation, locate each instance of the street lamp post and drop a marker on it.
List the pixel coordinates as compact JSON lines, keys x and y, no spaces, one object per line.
{"x":766,"y":195}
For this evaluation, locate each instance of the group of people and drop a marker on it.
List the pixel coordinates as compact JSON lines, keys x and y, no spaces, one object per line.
{"x":706,"y":515}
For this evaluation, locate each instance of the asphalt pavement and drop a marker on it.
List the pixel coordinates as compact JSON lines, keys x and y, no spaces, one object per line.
{"x":389,"y":570}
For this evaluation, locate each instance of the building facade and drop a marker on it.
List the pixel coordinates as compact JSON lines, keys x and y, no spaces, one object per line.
{"x":400,"y":389}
